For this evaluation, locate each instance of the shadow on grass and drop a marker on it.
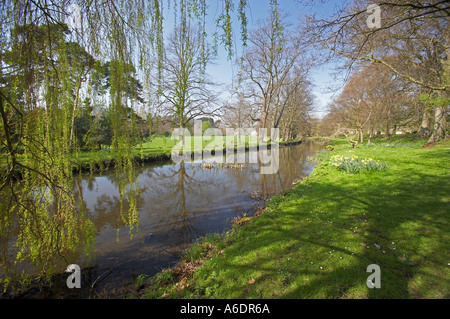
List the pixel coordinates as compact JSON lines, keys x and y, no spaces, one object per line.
{"x":320,"y":240}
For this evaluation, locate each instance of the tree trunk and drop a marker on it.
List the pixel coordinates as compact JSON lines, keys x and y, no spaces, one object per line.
{"x":75,"y":106}
{"x":424,"y":130}
{"x":394,"y":130}
{"x":387,"y":133}
{"x":440,"y":124}
{"x":182,"y":136}
{"x":262,"y":123}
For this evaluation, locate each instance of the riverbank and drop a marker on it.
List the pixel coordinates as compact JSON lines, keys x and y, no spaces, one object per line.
{"x":177,"y":204}
{"x":158,"y":150}
{"x":317,"y":239}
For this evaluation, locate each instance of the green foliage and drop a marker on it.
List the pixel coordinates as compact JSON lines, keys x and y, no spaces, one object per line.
{"x":434,"y":101}
{"x":38,"y":103}
{"x":206,"y":125}
{"x":224,"y":22}
{"x":45,"y":127}
{"x":164,"y":277}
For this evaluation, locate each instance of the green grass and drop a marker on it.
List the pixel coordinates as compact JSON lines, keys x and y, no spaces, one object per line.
{"x":156,"y":148}
{"x":317,"y":239}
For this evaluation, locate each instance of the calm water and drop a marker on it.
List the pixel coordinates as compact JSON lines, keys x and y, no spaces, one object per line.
{"x":178,"y":204}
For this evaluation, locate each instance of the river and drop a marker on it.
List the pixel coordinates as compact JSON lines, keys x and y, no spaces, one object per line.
{"x":178,"y":204}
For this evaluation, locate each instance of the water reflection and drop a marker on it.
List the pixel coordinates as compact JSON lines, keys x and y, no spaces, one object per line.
{"x":177,"y":204}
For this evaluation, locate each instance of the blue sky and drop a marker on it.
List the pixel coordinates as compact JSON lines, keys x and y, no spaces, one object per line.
{"x":224,"y":70}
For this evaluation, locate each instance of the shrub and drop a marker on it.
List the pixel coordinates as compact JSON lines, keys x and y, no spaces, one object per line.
{"x":354,"y":164}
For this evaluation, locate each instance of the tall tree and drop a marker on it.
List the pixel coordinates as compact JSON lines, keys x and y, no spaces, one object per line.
{"x":41,"y":77}
{"x":268,"y":65}
{"x":40,"y":86}
{"x":297,"y":105}
{"x":417,"y":32}
{"x":374,"y":99}
{"x":44,"y":65}
{"x":185,"y":90}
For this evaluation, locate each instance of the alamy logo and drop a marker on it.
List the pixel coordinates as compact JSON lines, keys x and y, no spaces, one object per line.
{"x":74,"y":18}
{"x":374,"y":280}
{"x":74,"y":280}
{"x":234,"y":142}
{"x":374,"y":18}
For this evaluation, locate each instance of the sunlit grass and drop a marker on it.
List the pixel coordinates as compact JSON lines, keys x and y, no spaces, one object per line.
{"x":317,"y":239}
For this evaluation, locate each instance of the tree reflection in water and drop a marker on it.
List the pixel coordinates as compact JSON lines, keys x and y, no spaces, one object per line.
{"x":177,"y":204}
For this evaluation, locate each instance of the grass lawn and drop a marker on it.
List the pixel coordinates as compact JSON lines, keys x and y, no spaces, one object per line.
{"x":159,"y":146}
{"x":317,"y":239}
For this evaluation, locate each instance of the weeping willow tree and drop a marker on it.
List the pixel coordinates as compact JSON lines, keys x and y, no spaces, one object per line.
{"x":47,"y":64}
{"x":37,"y":97}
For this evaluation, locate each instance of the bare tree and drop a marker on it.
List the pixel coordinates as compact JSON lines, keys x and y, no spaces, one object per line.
{"x":238,"y":114}
{"x":416,"y":32}
{"x":374,"y":99}
{"x":267,"y":66}
{"x":185,"y":92}
{"x":293,"y":113}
